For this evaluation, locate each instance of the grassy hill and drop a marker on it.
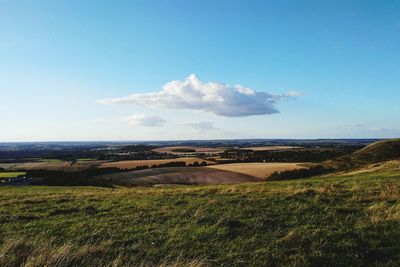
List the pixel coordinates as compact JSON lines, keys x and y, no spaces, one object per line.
{"x":329,"y":221}
{"x":377,"y":152}
{"x":380,"y":151}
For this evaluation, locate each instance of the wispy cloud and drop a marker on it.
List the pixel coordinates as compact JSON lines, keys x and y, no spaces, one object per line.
{"x":201,"y":125}
{"x":145,"y":120}
{"x":213,"y":97}
{"x":378,"y":129}
{"x":352,"y":126}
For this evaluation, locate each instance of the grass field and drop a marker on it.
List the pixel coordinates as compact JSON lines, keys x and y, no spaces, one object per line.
{"x":131,"y":164}
{"x":259,"y":170}
{"x":329,"y":221}
{"x":10,"y":174}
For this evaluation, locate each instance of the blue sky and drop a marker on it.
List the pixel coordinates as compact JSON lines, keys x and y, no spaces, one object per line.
{"x":95,"y":70}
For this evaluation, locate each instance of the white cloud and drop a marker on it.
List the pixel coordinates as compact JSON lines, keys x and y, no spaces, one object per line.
{"x":217,"y":98}
{"x":201,"y":125}
{"x":352,"y":126}
{"x":379,"y":129}
{"x":145,"y":120}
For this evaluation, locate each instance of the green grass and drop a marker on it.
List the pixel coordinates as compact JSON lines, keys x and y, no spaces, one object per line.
{"x":11,"y":174}
{"x":326,"y":221}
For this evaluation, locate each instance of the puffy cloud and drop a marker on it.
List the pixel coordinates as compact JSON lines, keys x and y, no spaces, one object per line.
{"x":201,"y":125}
{"x":145,"y":120}
{"x":217,"y":98}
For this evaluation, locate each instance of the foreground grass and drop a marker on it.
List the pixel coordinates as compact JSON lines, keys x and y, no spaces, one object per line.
{"x":329,"y":221}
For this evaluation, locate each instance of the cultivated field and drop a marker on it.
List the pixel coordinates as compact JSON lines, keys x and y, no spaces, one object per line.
{"x":10,"y":174}
{"x":269,"y":148}
{"x":188,"y":149}
{"x":132,"y":164}
{"x":83,"y":164}
{"x":259,"y":170}
{"x":328,"y":221}
{"x":177,"y":175}
{"x":53,"y":165}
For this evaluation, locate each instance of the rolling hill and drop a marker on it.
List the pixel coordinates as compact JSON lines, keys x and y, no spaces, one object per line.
{"x":177,"y":175}
{"x":377,"y":152}
{"x":380,"y":151}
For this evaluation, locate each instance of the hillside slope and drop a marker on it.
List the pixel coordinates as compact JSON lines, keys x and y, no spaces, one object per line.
{"x":329,"y":221}
{"x":377,"y":152}
{"x":380,"y":151}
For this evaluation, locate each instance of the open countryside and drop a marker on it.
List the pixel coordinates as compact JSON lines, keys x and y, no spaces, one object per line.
{"x":204,"y":133}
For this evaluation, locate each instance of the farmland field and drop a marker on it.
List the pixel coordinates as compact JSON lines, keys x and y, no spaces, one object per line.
{"x":53,"y":165}
{"x":269,"y":148}
{"x":188,"y":149}
{"x":10,"y":174}
{"x":259,"y":170}
{"x":83,"y":164}
{"x":329,"y":221}
{"x":178,"y":175}
{"x":132,"y":164}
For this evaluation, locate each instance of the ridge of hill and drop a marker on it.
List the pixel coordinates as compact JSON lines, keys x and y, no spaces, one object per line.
{"x":379,"y":151}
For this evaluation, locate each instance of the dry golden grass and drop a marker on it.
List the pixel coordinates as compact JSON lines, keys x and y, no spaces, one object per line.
{"x":132,"y":164}
{"x":392,"y":165}
{"x":29,"y":254}
{"x":259,"y":170}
